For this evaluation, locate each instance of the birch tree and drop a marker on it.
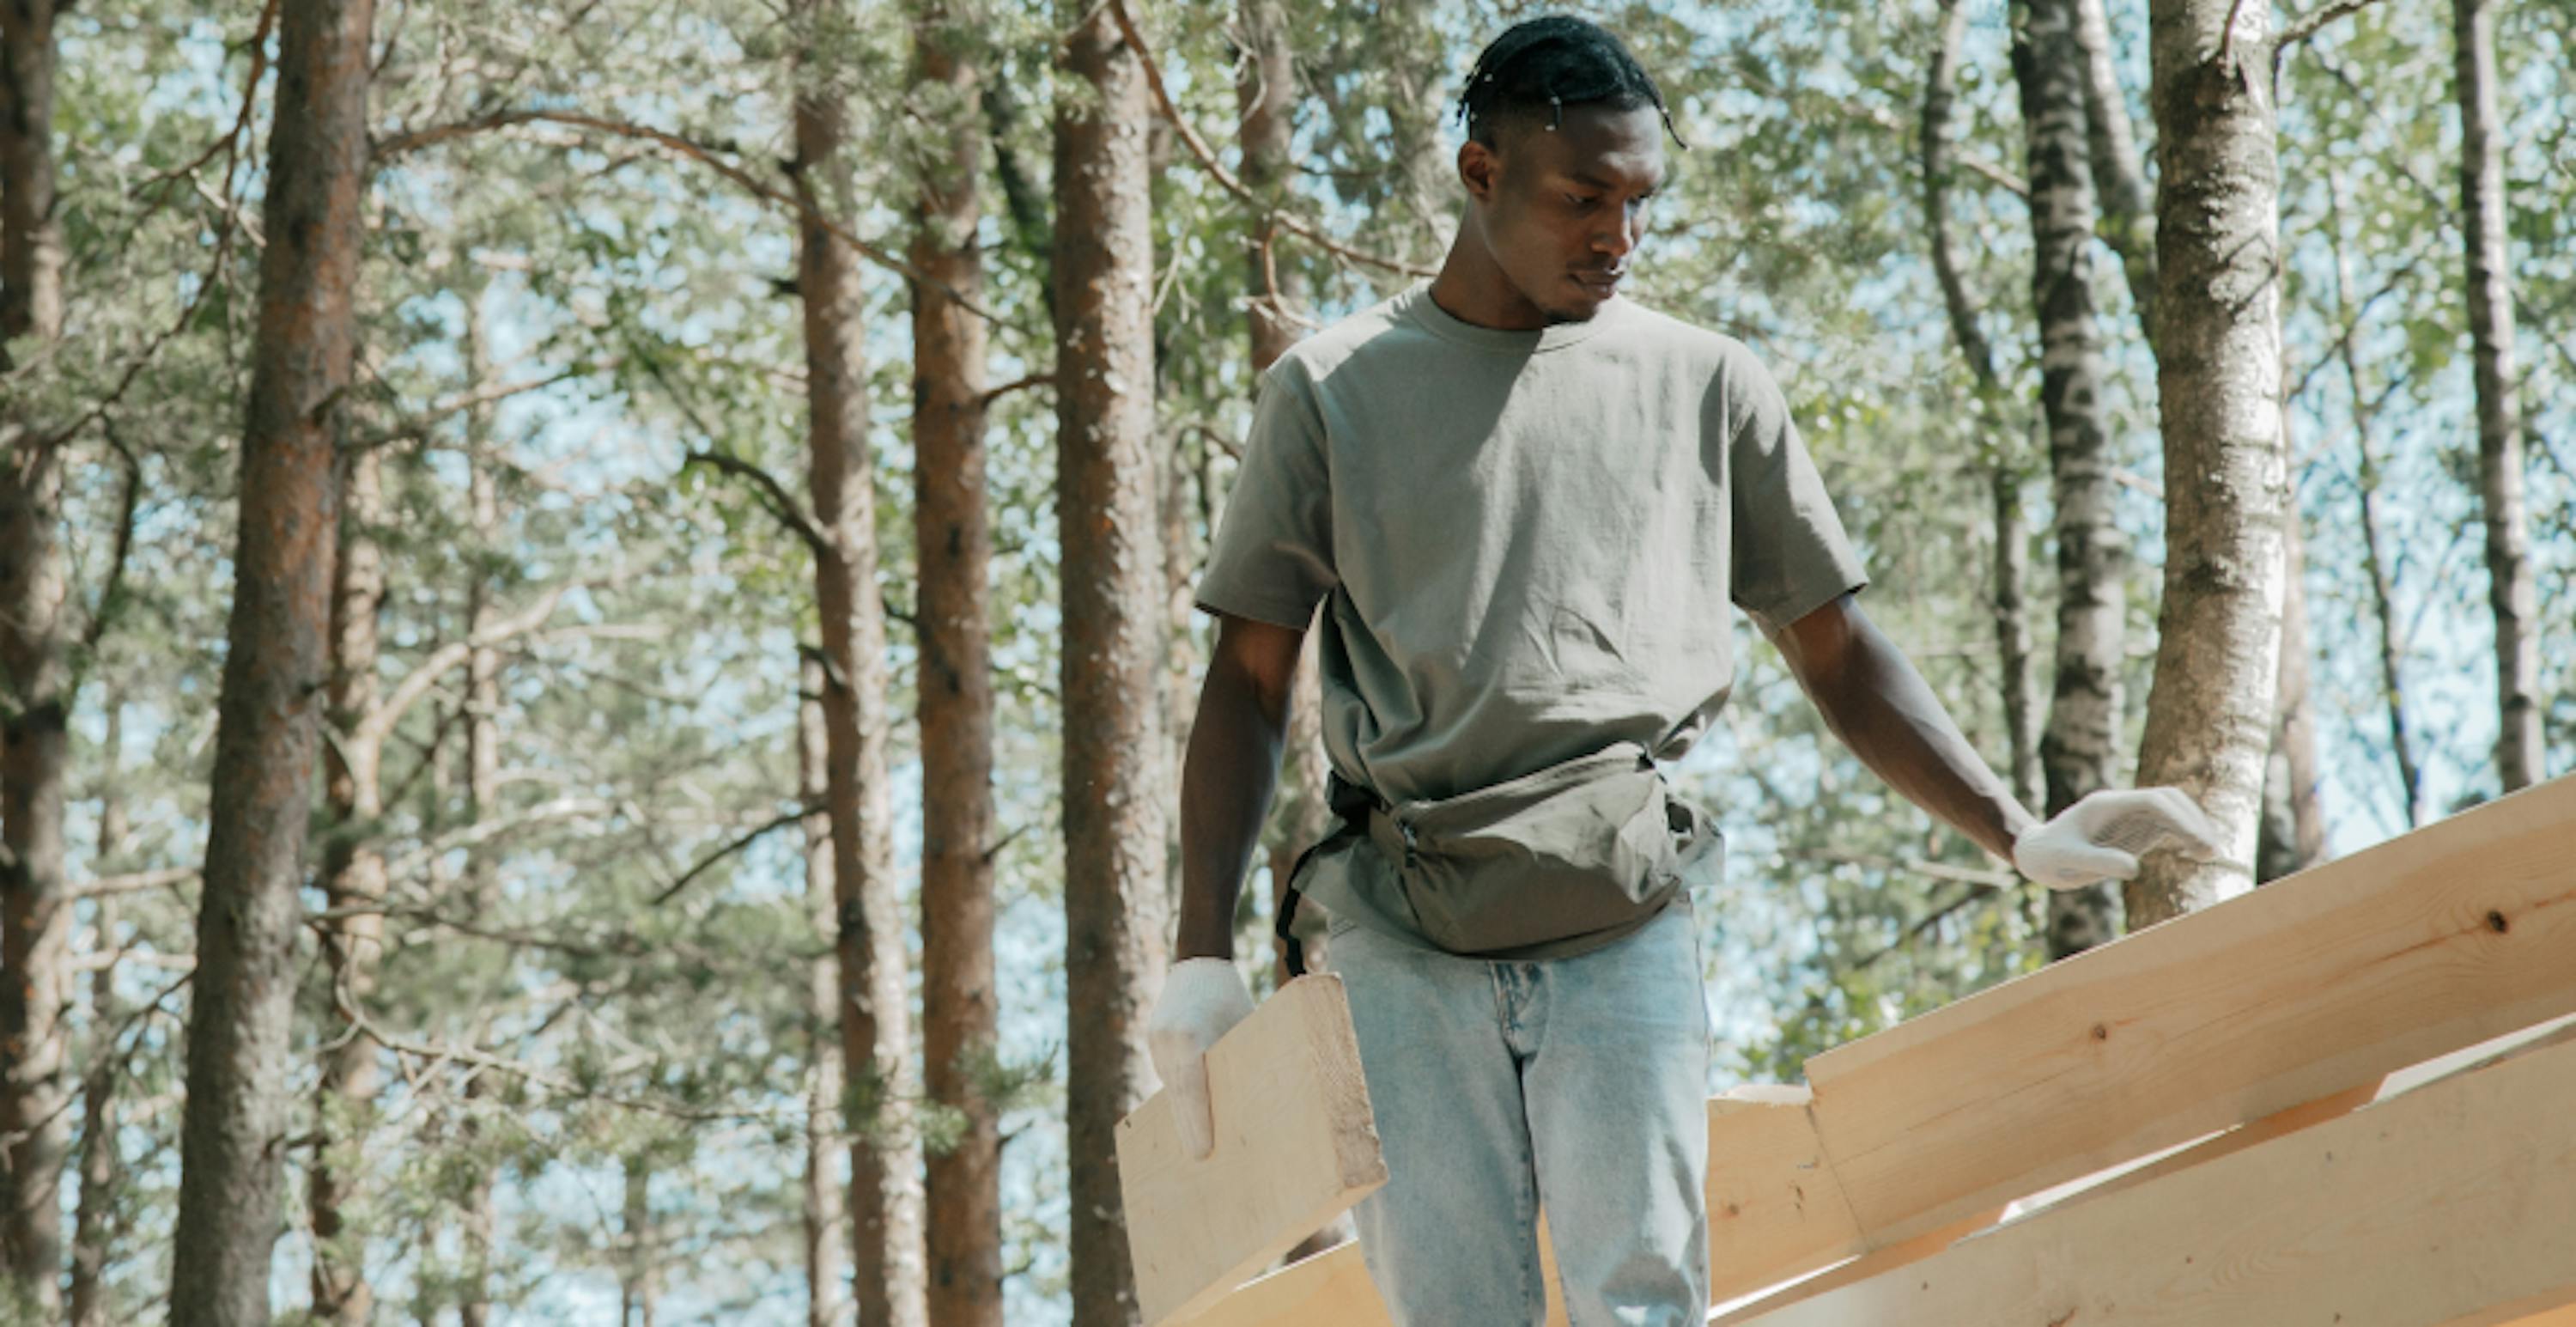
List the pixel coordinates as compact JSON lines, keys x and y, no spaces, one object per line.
{"x":2210,"y":710}
{"x":2521,"y":755}
{"x":2080,"y":749}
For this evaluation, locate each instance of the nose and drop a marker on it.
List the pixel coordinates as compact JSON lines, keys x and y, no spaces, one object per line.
{"x":1620,"y":237}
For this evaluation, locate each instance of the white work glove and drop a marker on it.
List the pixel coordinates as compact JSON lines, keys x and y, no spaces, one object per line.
{"x":2102,"y":836}
{"x":1202,"y":1000}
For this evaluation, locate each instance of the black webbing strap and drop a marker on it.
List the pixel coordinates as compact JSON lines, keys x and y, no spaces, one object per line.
{"x":1352,"y":803}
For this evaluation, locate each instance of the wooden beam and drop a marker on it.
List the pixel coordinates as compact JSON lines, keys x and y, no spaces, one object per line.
{"x":2307,"y":987}
{"x":1331,"y":1287}
{"x":1296,"y":1146}
{"x":1775,"y":1207}
{"x":2453,"y":1203}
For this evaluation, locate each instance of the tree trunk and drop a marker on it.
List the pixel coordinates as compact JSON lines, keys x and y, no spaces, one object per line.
{"x":2128,"y":221}
{"x":2522,"y":755}
{"x":353,"y":883}
{"x":2209,"y":714}
{"x":1114,"y":782}
{"x":274,"y":670}
{"x":887,"y":1239}
{"x":2375,"y":567}
{"x":824,"y":1205}
{"x":35,"y":688}
{"x":2293,"y":834}
{"x":1411,"y":48}
{"x":2003,"y":474}
{"x":94,"y":1225}
{"x":961,"y":1013}
{"x":2080,"y":751}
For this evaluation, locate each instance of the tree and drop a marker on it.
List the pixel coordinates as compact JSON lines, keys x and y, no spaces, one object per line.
{"x":875,"y":1007}
{"x":1113,"y":613}
{"x":2128,"y":209}
{"x":36,"y":682}
{"x":825,"y":1207}
{"x":961,"y":1012}
{"x":2521,"y":755}
{"x":2210,"y":710}
{"x":273,"y":669}
{"x":2003,"y":474}
{"x":2080,"y":748}
{"x":353,"y":893}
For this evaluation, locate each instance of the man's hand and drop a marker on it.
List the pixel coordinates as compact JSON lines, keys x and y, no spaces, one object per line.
{"x":2102,"y":836}
{"x":1202,"y":1000}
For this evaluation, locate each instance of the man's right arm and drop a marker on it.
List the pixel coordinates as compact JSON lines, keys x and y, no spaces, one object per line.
{"x":1229,"y":773}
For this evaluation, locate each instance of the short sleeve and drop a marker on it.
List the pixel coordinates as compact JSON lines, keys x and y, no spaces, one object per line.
{"x":1790,"y":555}
{"x":1272,"y":557}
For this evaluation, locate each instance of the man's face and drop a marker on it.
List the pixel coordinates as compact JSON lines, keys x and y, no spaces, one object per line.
{"x":1561,"y":211}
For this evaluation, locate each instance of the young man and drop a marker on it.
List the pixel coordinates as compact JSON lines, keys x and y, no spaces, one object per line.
{"x":1523,"y":502}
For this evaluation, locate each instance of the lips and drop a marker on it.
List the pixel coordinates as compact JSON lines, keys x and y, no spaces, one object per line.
{"x":1603,"y":283}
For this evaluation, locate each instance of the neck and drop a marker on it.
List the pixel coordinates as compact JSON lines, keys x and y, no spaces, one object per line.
{"x":1471,"y":287}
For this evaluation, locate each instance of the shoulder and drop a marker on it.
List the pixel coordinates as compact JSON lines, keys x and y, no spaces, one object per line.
{"x":1724,"y":359}
{"x":1368,"y":336}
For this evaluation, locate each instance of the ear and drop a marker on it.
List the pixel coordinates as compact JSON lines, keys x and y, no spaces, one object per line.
{"x":1479,"y":167}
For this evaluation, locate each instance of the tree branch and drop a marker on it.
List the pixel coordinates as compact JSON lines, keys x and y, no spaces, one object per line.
{"x":414,"y":140}
{"x":772,"y":494}
{"x":418,"y":426}
{"x":114,"y":587}
{"x":749,"y":837}
{"x":2308,"y":25}
{"x":133,"y":882}
{"x":1207,"y":161}
{"x":997,"y":393}
{"x":406,"y":693}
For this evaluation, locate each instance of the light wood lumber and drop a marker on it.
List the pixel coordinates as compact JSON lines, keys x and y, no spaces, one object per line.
{"x":2445,"y":1205}
{"x":1331,"y":1287}
{"x":1774,"y":1211}
{"x":1296,"y":1146}
{"x":1775,"y":1208}
{"x":2307,"y":987}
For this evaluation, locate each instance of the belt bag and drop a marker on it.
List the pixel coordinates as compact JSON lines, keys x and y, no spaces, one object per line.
{"x":1590,"y":845}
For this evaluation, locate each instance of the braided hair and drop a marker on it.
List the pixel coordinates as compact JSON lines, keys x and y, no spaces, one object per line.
{"x":1547,"y":64}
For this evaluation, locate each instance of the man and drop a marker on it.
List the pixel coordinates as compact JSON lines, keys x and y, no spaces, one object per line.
{"x":1519,"y":499}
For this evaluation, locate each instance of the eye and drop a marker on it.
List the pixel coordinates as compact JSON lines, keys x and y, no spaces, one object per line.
{"x":1578,"y":200}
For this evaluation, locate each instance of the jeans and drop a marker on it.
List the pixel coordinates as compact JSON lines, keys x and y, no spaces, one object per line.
{"x":1579,"y":1084}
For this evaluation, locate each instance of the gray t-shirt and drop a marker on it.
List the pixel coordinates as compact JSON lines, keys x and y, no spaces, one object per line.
{"x":1521,"y":537}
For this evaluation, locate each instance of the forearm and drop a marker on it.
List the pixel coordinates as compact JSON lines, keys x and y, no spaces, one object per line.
{"x":1872,"y":698}
{"x":1228,"y":776}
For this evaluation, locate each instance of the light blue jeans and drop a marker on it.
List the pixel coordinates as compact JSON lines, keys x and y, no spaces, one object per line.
{"x":1577,"y":1083}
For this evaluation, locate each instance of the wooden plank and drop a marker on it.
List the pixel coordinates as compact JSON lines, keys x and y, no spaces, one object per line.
{"x":1775,"y":1208}
{"x":2452,"y":1203}
{"x":1873,"y":1263}
{"x":1331,"y":1287}
{"x":1296,"y":1146}
{"x":1774,"y":1212}
{"x":2307,"y":987}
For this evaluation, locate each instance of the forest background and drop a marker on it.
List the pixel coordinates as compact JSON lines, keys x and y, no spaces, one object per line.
{"x":702,"y":499}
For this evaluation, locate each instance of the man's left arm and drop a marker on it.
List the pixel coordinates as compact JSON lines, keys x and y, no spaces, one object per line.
{"x":1874,"y":700}
{"x":1881,"y":708}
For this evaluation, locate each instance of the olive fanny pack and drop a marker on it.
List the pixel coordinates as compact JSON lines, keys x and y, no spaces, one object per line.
{"x":1589,"y":847}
